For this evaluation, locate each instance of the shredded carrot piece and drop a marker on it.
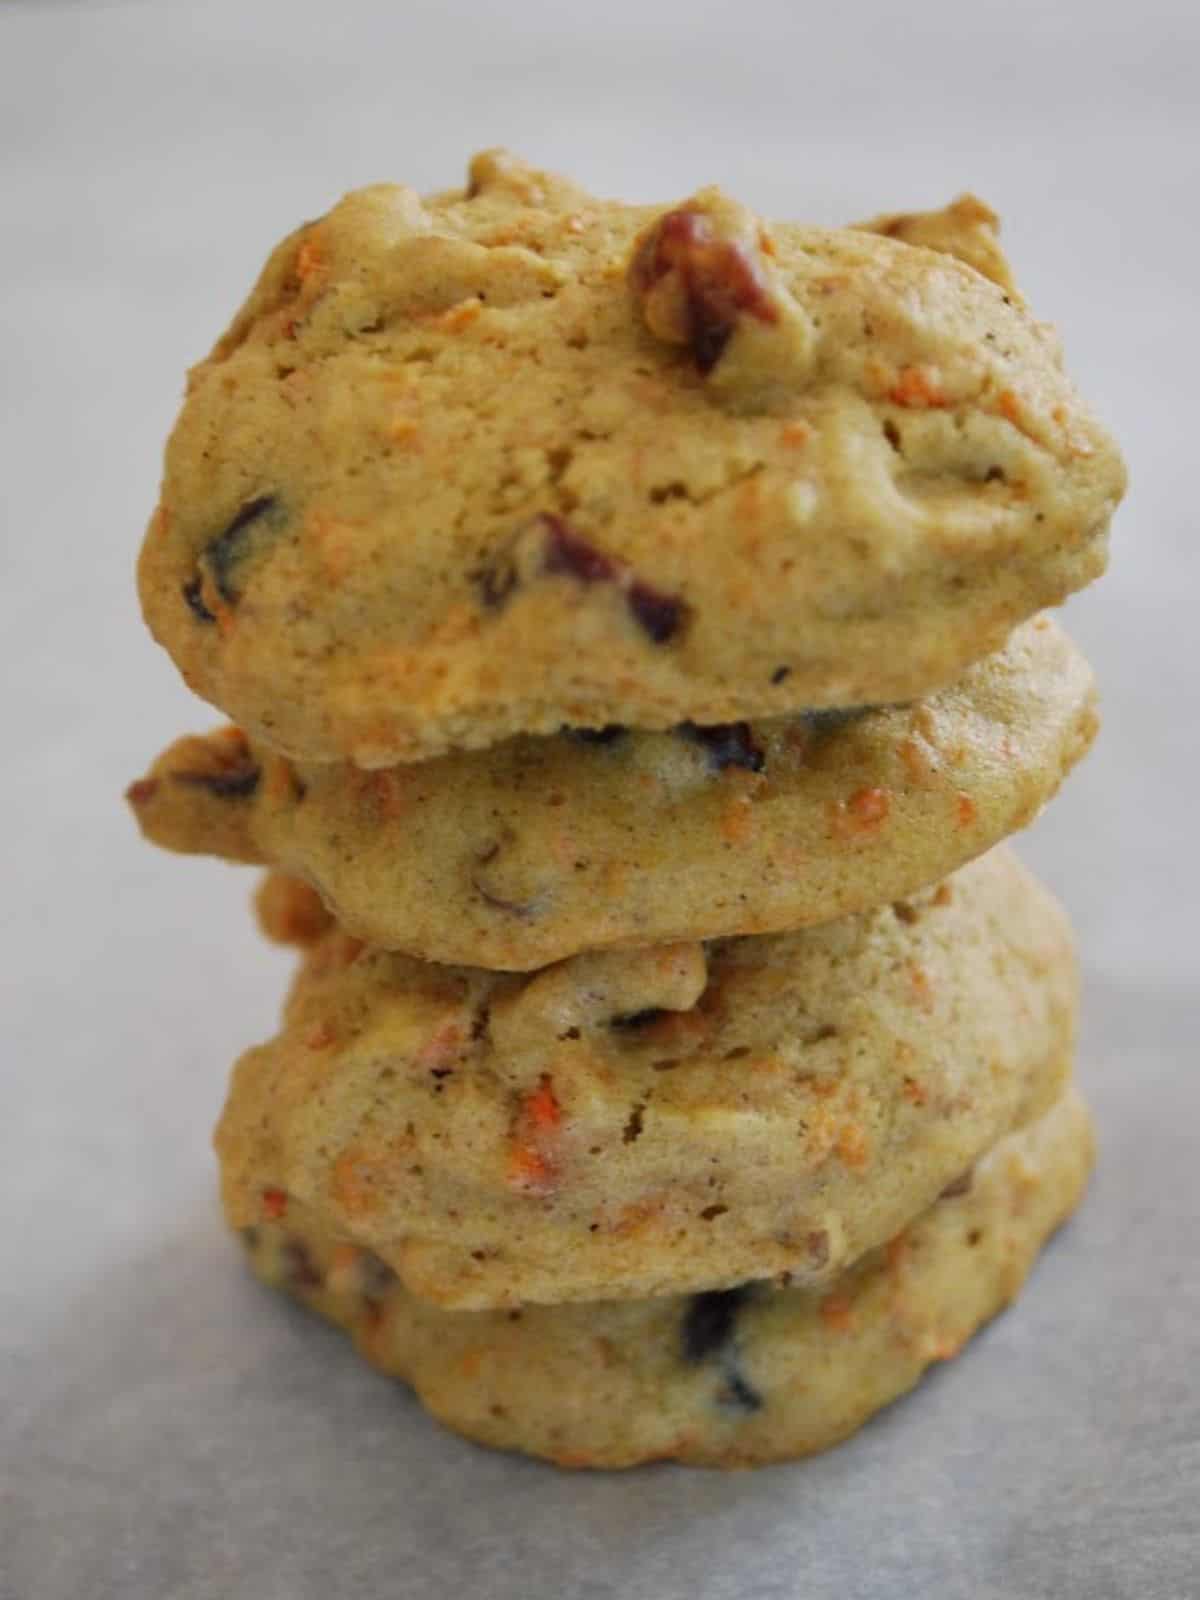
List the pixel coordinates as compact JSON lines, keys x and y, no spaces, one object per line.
{"x":853,"y":1146}
{"x":309,"y":259}
{"x":965,"y":810}
{"x":922,"y":987}
{"x":529,"y":1170}
{"x":736,"y":819}
{"x":441,"y":1046}
{"x":274,"y":1204}
{"x":917,"y":388}
{"x":403,"y":429}
{"x":458,"y":317}
{"x":863,"y":812}
{"x":542,"y":1107}
{"x":837,"y":1313}
{"x":352,"y":1185}
{"x":943,"y":1346}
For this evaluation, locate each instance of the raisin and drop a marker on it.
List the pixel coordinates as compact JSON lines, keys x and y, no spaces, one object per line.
{"x":515,"y":908}
{"x":728,"y":744}
{"x":496,"y":582}
{"x":300,"y":1270}
{"x":637,"y":1019}
{"x":375,"y":1276}
{"x":224,"y":552}
{"x":818,"y":1247}
{"x":709,"y":1320}
{"x":780,"y":674}
{"x":958,"y":1186}
{"x":737,"y":1393}
{"x":609,"y":734}
{"x":660,"y":615}
{"x":193,"y":595}
{"x":236,"y":782}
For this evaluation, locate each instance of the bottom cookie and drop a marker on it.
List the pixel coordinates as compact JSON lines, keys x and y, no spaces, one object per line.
{"x":728,"y":1378}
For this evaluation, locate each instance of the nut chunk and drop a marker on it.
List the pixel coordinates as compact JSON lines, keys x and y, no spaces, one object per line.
{"x":702,"y":277}
{"x":694,"y":280}
{"x":966,"y":228}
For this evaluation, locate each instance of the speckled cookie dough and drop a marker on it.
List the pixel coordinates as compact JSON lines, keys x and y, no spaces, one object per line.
{"x":682,"y":1117}
{"x":544,"y":846}
{"x":513,"y":458}
{"x":727,"y":1379}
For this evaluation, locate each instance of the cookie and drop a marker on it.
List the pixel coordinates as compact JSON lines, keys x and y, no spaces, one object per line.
{"x":514,"y":458}
{"x":644,"y":1122}
{"x":728,"y":1379}
{"x":541,"y":847}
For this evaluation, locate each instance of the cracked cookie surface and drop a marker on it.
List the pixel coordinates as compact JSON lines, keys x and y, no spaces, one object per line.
{"x":514,"y":457}
{"x":541,"y":847}
{"x":643,"y":1122}
{"x":721,"y":1379}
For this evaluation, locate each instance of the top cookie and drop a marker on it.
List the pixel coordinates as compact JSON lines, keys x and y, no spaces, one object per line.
{"x":512,"y":458}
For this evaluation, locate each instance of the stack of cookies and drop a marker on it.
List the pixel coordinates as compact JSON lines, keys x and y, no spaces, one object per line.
{"x":632,"y":619}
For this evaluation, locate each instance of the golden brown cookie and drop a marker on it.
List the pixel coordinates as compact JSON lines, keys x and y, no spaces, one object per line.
{"x":661,"y":1120}
{"x":728,"y":1379}
{"x":514,"y":457}
{"x":542,"y":847}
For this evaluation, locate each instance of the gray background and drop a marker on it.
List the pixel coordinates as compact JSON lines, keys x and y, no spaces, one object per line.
{"x":167,"y":1429}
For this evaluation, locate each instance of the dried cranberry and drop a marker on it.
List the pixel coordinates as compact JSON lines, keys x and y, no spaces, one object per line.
{"x":569,"y":552}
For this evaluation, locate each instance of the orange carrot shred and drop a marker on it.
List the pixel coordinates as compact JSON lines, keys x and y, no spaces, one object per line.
{"x":542,"y":1107}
